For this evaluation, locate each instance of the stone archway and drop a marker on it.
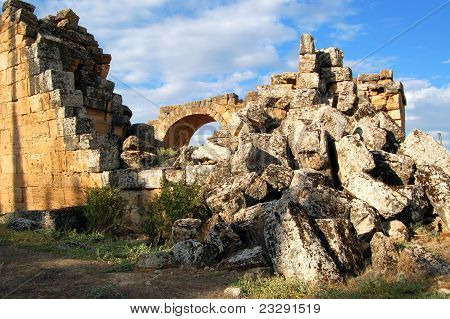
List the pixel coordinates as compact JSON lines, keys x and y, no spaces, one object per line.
{"x":181,"y":132}
{"x":177,"y":124}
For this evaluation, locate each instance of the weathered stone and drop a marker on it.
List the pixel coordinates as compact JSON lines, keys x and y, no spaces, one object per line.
{"x":194,"y":253}
{"x":418,"y":203}
{"x":256,"y":191}
{"x":257,"y":151}
{"x":397,"y":230}
{"x":150,"y":179}
{"x":437,"y":187}
{"x":310,"y":149}
{"x":138,"y":159}
{"x":387,"y":201}
{"x":386,"y":74}
{"x":284,"y":78}
{"x":222,"y":235}
{"x":353,"y":157}
{"x":195,"y":174}
{"x":374,"y":137}
{"x":309,"y":63}
{"x":368,"y":77}
{"x":145,"y":135}
{"x":336,"y":74}
{"x":393,"y":169}
{"x":245,"y":259}
{"x":277,"y":176}
{"x":210,"y":152}
{"x":306,"y":44}
{"x":333,"y":121}
{"x":156,"y":260}
{"x":233,"y":194}
{"x":123,"y":179}
{"x":304,"y":98}
{"x":346,"y":91}
{"x":365,"y":219}
{"x":343,"y":244}
{"x":184,"y":229}
{"x":23,"y":224}
{"x":379,"y":132}
{"x":232,"y":293}
{"x":250,"y":222}
{"x":321,"y":201}
{"x":424,"y":150}
{"x":293,"y":246}
{"x":256,"y":114}
{"x":415,"y":259}
{"x":330,"y":57}
{"x":308,"y":81}
{"x":302,"y":176}
{"x":384,"y":253}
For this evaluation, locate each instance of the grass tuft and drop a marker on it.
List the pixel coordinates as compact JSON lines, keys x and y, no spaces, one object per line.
{"x":358,"y":288}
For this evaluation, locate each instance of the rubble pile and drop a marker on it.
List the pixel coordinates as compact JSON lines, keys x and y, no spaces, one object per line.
{"x":314,"y":178}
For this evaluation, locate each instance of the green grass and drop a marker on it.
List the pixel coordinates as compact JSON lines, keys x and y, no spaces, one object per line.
{"x":120,"y":254}
{"x":360,"y":288}
{"x":108,"y":291}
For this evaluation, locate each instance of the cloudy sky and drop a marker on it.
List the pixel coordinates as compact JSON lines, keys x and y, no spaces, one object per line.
{"x":167,"y":52}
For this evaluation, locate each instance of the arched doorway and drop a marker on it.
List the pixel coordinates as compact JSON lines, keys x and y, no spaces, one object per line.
{"x":181,"y":132}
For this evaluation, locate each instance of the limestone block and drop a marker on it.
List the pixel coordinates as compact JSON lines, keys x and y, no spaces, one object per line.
{"x":150,"y":179}
{"x":394,"y":102}
{"x":331,"y":57}
{"x":123,"y":179}
{"x":53,"y":80}
{"x":368,"y":77}
{"x":424,"y":150}
{"x":336,"y":74}
{"x":306,"y":44}
{"x":294,"y":247}
{"x":197,"y":173}
{"x":386,"y":74}
{"x":308,"y":81}
{"x":379,"y":102}
{"x":308,"y":63}
{"x":302,"y":98}
{"x":353,"y":156}
{"x":386,"y":200}
{"x":284,"y":78}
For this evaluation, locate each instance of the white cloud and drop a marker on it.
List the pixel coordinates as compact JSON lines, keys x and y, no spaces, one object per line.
{"x":412,"y":118}
{"x":370,"y":65}
{"x":174,"y":51}
{"x":420,"y":93}
{"x":346,"y":32}
{"x":428,"y":107}
{"x":446,"y":62}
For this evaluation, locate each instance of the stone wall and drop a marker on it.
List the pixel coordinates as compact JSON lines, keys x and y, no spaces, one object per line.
{"x":61,"y":125}
{"x":176,"y":124}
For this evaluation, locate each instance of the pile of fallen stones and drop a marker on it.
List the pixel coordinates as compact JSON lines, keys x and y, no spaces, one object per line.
{"x":316,"y":190}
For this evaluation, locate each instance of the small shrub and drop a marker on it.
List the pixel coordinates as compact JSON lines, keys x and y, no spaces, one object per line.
{"x":176,"y":201}
{"x":164,"y":154}
{"x":104,"y":209}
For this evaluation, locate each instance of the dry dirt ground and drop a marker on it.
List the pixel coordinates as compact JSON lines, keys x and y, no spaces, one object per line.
{"x":28,"y":274}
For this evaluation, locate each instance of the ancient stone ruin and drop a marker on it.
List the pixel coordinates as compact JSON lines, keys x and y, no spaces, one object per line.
{"x":310,"y":176}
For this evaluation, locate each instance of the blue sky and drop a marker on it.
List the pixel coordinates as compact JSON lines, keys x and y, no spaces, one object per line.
{"x":177,"y":51}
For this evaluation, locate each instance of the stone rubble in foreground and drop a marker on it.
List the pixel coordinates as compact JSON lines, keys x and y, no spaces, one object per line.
{"x":315,"y":179}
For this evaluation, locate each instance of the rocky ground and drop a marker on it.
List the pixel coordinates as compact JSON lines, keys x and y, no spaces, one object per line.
{"x":26,"y":273}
